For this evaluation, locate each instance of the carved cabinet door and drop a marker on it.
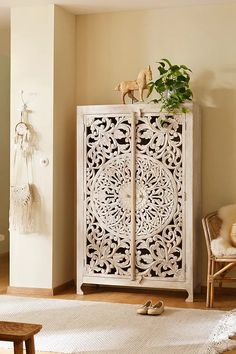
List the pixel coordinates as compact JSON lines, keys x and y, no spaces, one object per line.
{"x":160,"y":241}
{"x":134,"y":196}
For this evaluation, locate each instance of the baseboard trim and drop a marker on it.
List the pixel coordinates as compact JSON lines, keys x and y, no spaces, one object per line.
{"x":60,"y":288}
{"x":217,"y":290}
{"x":15,"y":290}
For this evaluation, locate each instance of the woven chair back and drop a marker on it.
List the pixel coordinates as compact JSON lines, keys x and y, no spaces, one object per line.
{"x":211,"y":225}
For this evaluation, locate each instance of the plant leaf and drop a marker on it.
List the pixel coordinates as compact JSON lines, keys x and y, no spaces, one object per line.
{"x":162,"y":70}
{"x":182,"y":78}
{"x":161,"y":62}
{"x":175,"y":68}
{"x":167,"y":61}
{"x":172,"y":86}
{"x":185,"y":67}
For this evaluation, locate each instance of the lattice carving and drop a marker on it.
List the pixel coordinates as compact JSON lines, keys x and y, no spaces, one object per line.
{"x":107,"y":138}
{"x":159,"y":195}
{"x":160,"y":254}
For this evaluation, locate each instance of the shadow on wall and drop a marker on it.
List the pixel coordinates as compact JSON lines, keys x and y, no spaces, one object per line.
{"x":218,"y":105}
{"x":218,"y":142}
{"x":99,"y":58}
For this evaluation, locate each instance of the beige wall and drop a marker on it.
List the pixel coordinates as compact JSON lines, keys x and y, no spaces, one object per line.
{"x":4,"y":134}
{"x":42,"y":64}
{"x":32,"y":40}
{"x":110,"y":48}
{"x":64,"y":140}
{"x":114,"y":47}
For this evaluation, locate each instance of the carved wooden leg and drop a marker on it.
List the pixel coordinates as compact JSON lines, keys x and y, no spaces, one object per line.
{"x":190,"y":295}
{"x":134,"y":98}
{"x":141,"y":94}
{"x":131,"y":95}
{"x":79,"y":290}
{"x":18,"y":347}
{"x":29,"y":344}
{"x":123,"y":97}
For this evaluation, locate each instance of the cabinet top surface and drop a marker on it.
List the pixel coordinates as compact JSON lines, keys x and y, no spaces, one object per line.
{"x":126,"y":108}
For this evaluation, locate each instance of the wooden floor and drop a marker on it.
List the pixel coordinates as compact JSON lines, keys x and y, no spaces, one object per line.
{"x":225,"y":300}
{"x":132,"y":296}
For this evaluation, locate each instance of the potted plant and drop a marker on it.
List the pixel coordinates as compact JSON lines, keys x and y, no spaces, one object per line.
{"x":172,"y":87}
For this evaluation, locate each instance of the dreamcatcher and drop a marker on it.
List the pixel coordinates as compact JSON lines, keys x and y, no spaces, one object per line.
{"x":22,"y":137}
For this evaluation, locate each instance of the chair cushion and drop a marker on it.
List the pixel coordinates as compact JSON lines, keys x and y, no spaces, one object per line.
{"x":222,"y":248}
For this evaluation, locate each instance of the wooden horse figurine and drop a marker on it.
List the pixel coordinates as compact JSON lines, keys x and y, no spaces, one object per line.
{"x":128,"y":87}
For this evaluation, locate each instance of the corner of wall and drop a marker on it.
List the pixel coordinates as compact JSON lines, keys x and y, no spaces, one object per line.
{"x":64,"y":148}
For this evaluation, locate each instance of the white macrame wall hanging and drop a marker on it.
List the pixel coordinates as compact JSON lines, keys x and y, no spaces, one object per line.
{"x":23,"y":195}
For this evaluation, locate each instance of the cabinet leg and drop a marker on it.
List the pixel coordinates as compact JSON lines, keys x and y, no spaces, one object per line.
{"x":79,"y":289}
{"x":190,"y":296}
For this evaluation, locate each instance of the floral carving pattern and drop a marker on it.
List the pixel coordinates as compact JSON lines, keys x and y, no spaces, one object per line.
{"x":159,"y":195}
{"x":155,"y":196}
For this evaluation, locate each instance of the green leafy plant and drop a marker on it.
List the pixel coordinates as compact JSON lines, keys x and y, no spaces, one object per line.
{"x":172,"y":87}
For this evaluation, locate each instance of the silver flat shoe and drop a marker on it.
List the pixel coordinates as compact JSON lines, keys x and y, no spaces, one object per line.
{"x":156,"y":309}
{"x":143,"y":310}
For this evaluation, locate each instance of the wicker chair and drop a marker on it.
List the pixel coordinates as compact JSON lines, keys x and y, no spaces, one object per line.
{"x":218,"y":267}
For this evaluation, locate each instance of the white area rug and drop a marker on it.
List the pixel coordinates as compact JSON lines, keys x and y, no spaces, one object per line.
{"x":71,"y":326}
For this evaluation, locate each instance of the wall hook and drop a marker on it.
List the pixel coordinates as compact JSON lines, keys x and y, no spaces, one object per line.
{"x":23,"y":101}
{"x":25,"y":110}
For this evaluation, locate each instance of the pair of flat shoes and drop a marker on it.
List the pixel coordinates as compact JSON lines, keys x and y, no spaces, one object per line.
{"x":149,"y":309}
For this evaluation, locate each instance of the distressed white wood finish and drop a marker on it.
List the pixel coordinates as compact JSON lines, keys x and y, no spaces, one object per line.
{"x":133,"y":195}
{"x":147,"y":172}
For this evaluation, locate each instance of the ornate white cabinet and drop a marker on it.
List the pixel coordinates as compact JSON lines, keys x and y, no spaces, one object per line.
{"x":138,"y":198}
